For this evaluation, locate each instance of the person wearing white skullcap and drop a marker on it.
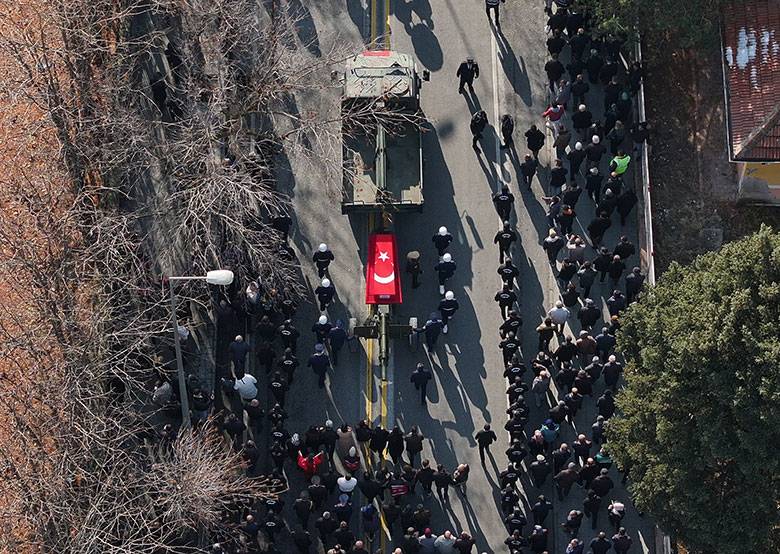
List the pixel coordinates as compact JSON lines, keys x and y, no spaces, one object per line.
{"x":322,"y":258}
{"x":441,"y":240}
{"x":446,"y":269}
{"x":325,"y":293}
{"x":321,"y":329}
{"x":447,"y":308}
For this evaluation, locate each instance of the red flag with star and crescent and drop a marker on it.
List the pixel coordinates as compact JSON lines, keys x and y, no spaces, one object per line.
{"x":383,"y":273}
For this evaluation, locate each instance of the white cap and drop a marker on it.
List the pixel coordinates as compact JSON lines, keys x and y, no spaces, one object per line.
{"x":447,"y":257}
{"x":596,"y":139}
{"x":612,"y":358}
{"x":322,"y":247}
{"x":325,"y":282}
{"x":449,"y":295}
{"x":328,"y":424}
{"x":322,"y":320}
{"x":442,"y":230}
{"x":594,"y":170}
{"x":559,"y":304}
{"x":582,"y":107}
{"x":578,"y":146}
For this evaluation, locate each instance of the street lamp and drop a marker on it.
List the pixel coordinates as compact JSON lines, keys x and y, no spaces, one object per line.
{"x":215,"y":277}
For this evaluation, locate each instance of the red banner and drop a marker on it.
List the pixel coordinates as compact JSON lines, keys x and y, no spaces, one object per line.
{"x":383,"y":272}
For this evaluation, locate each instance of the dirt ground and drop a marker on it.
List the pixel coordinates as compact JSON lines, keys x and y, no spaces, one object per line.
{"x":693,"y":185}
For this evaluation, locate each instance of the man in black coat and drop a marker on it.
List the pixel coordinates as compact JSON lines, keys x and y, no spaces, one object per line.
{"x":535,"y":140}
{"x":507,"y":128}
{"x":634,"y":282}
{"x":420,"y":377}
{"x":467,"y":72}
{"x":477,"y":125}
{"x":504,"y":239}
{"x":597,"y":227}
{"x":528,"y":169}
{"x":506,"y":298}
{"x":554,"y":70}
{"x":503,"y":201}
{"x":508,"y":272}
{"x":485,"y":437}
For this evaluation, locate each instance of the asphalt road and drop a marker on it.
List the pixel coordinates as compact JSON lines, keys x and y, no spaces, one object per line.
{"x":468,"y":389}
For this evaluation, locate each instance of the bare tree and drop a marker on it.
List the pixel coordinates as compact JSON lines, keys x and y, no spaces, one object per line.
{"x":169,"y":118}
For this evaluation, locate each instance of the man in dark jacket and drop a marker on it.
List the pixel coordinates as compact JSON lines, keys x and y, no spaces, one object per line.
{"x":420,"y":377}
{"x":600,"y":544}
{"x":565,"y":479}
{"x":504,"y":239}
{"x":441,"y":240}
{"x":506,"y":298}
{"x":485,"y":438}
{"x":597,"y":227}
{"x":621,"y":542}
{"x":322,"y":258}
{"x":540,"y":509}
{"x":554,"y":70}
{"x":508,"y":272}
{"x":552,"y":245}
{"x":477,"y":125}
{"x":535,"y":140}
{"x":528,"y":169}
{"x":624,"y":248}
{"x":467,"y":72}
{"x":634,"y":282}
{"x":507,"y":128}
{"x":503,"y":201}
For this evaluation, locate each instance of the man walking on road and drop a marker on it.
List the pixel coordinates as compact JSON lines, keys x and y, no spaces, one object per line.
{"x":493,"y":5}
{"x":441,"y":240}
{"x":238,"y":350}
{"x":506,"y":298}
{"x":445,"y":269}
{"x":528,"y":169}
{"x":447,"y":309}
{"x":484,"y":439}
{"x":477,"y":125}
{"x":504,"y":239}
{"x":507,"y":128}
{"x":503,"y":201}
{"x":467,"y":72}
{"x":420,"y":377}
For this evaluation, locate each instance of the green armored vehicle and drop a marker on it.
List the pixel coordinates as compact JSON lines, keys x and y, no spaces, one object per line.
{"x":381,"y":147}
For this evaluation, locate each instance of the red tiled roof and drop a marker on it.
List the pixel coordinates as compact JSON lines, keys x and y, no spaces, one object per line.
{"x":751,"y":54}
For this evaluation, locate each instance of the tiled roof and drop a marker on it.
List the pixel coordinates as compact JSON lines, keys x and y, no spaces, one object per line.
{"x":751,"y":53}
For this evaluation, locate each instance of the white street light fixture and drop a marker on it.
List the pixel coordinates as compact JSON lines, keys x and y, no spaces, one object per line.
{"x":219,"y":277}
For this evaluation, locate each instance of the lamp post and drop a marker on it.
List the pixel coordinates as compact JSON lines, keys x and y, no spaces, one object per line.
{"x":216,"y":277}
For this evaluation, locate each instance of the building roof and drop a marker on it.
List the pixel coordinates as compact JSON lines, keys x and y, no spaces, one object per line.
{"x":751,"y":65}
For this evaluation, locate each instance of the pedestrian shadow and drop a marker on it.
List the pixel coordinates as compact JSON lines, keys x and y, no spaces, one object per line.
{"x":358,"y":16}
{"x":426,"y":46}
{"x":304,"y":25}
{"x":472,"y":100}
{"x":514,"y":69}
{"x":474,"y":231}
{"x":403,"y":10}
{"x":487,"y":146}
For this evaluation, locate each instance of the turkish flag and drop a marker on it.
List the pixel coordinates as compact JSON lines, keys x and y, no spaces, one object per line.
{"x":383,"y":273}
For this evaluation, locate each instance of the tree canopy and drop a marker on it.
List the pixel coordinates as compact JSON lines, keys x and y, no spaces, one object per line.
{"x":698,"y":423}
{"x":690,"y":23}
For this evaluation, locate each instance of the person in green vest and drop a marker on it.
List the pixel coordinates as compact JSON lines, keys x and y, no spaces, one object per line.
{"x":619,"y":163}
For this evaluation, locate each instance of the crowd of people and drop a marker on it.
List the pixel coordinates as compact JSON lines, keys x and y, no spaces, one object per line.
{"x":347,"y":479}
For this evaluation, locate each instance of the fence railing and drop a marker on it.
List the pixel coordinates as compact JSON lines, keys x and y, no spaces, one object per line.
{"x":646,"y":221}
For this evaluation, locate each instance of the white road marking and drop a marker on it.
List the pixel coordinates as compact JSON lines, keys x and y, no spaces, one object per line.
{"x":496,"y":112}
